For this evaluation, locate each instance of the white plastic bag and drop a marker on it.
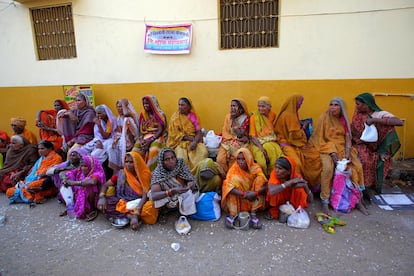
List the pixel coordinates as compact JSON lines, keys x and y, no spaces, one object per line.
{"x":370,"y":133}
{"x":212,"y":140}
{"x":299,"y":219}
{"x":182,"y":226}
{"x":67,"y":194}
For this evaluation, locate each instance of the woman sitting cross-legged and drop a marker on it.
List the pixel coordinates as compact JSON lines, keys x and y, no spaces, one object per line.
{"x":172,"y":185}
{"x":37,"y":186}
{"x":85,"y":182}
{"x":286,"y":185}
{"x":130,"y":199}
{"x":244,"y":189}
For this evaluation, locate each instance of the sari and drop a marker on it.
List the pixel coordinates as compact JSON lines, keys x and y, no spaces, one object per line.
{"x":4,"y":141}
{"x":30,"y":136}
{"x":81,"y":194}
{"x":296,"y":196}
{"x":185,"y":125}
{"x":37,"y":179}
{"x":292,"y":138}
{"x":226,"y":154}
{"x":16,"y":160}
{"x":128,"y":189}
{"x":149,"y":125}
{"x":262,"y":127}
{"x":252,"y":180}
{"x":168,"y":179}
{"x":375,"y":168}
{"x":209,"y":175}
{"x":124,"y":138}
{"x":49,"y":119}
{"x":329,"y":137}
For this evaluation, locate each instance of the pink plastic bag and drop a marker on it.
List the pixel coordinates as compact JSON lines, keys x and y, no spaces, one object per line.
{"x":344,"y":195}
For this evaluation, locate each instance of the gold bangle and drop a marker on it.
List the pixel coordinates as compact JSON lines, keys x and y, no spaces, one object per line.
{"x":283,"y":186}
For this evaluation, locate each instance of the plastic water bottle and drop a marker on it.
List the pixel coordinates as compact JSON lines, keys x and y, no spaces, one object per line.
{"x":70,"y":209}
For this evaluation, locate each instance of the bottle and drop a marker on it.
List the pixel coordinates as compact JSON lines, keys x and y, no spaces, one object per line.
{"x":70,"y":209}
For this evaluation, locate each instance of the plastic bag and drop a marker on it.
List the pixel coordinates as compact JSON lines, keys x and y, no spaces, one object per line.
{"x":208,"y":207}
{"x":182,"y":226}
{"x":287,"y":208}
{"x":299,"y":219}
{"x":344,"y":195}
{"x":370,"y":133}
{"x":212,"y":140}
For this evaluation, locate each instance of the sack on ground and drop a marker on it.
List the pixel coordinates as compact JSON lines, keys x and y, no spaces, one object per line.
{"x":208,"y":207}
{"x":299,"y":219}
{"x":344,"y":194}
{"x":369,"y":134}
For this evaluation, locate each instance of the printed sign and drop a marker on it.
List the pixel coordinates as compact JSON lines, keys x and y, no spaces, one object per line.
{"x":71,"y":91}
{"x":168,"y":39}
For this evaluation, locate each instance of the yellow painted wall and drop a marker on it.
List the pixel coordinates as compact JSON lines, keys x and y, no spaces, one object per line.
{"x":212,"y":99}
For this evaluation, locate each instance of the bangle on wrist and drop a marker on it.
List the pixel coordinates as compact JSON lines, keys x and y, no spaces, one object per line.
{"x":283,"y":186}
{"x":243,"y":193}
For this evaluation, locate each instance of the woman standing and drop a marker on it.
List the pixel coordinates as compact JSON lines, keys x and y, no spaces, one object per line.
{"x":263,"y":138}
{"x":184,"y":134}
{"x":152,"y":132}
{"x":332,"y":138}
{"x":375,"y":157}
{"x":235,"y":133}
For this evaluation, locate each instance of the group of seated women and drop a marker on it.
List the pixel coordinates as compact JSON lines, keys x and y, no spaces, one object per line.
{"x":136,"y":166}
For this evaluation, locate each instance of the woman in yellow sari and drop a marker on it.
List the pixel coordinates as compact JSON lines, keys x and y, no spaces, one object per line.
{"x":262,"y":136}
{"x":131,"y":201}
{"x":244,"y":189}
{"x":292,"y":138}
{"x":37,"y":186}
{"x":332,"y":138}
{"x":184,"y":135}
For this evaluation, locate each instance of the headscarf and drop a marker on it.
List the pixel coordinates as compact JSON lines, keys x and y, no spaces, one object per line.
{"x":155,"y":108}
{"x":142,"y":171}
{"x":19,"y":121}
{"x":63,"y":104}
{"x":4,"y":136}
{"x":343,"y":110}
{"x":369,"y":100}
{"x":161,"y":174}
{"x":291,"y":105}
{"x":266,"y":100}
{"x":243,"y":104}
{"x":95,"y":170}
{"x":111,"y":121}
{"x":284,"y":163}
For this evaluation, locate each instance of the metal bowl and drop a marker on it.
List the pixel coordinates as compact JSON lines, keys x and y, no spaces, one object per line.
{"x":120,"y":222}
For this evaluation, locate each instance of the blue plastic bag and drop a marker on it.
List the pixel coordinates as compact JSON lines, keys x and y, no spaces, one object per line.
{"x":208,"y":207}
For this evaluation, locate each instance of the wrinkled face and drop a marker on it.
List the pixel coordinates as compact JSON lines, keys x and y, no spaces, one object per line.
{"x":281,"y":172}
{"x":183,"y":107}
{"x":146,"y":105}
{"x":129,"y":163}
{"x":57,"y":106}
{"x":170,"y":161}
{"x":242,"y":162}
{"x":43,"y":151}
{"x":14,"y":144}
{"x":119,"y":109}
{"x":361,"y":106}
{"x":17,"y":129}
{"x":80,"y":102}
{"x":263,"y":108}
{"x":102,"y":115}
{"x":335,"y":109}
{"x":74,"y":158}
{"x":84,"y":167}
{"x":235,"y":109}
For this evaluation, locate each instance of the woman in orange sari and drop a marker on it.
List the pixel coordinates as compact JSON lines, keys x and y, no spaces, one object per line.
{"x":184,"y":135}
{"x":243,"y":189}
{"x":235,"y":133}
{"x":46,"y":122}
{"x":292,"y":138}
{"x":263,"y":138}
{"x":37,"y":186}
{"x":132,"y":185}
{"x":285,"y":184}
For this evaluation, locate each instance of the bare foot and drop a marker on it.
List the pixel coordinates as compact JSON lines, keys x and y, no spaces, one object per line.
{"x":361,"y":207}
{"x":325,"y":209}
{"x":135,"y":223}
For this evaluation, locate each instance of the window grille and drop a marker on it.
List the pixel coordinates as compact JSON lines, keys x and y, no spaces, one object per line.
{"x":54,"y":32}
{"x":249,"y":23}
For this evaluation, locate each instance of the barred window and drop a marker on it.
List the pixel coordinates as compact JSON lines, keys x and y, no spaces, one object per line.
{"x":249,"y":23}
{"x":54,"y":32}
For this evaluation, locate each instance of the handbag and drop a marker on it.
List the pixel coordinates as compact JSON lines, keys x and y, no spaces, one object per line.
{"x":369,"y":134}
{"x":208,"y":207}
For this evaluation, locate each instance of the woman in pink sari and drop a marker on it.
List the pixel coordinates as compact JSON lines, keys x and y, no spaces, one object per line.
{"x":85,"y":182}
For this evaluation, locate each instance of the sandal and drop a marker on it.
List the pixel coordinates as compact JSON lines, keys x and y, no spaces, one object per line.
{"x":229,"y":222}
{"x":91,"y":215}
{"x":255,"y":223}
{"x":268,"y":216}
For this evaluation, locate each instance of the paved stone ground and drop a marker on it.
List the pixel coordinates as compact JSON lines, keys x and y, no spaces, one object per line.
{"x":36,"y":241}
